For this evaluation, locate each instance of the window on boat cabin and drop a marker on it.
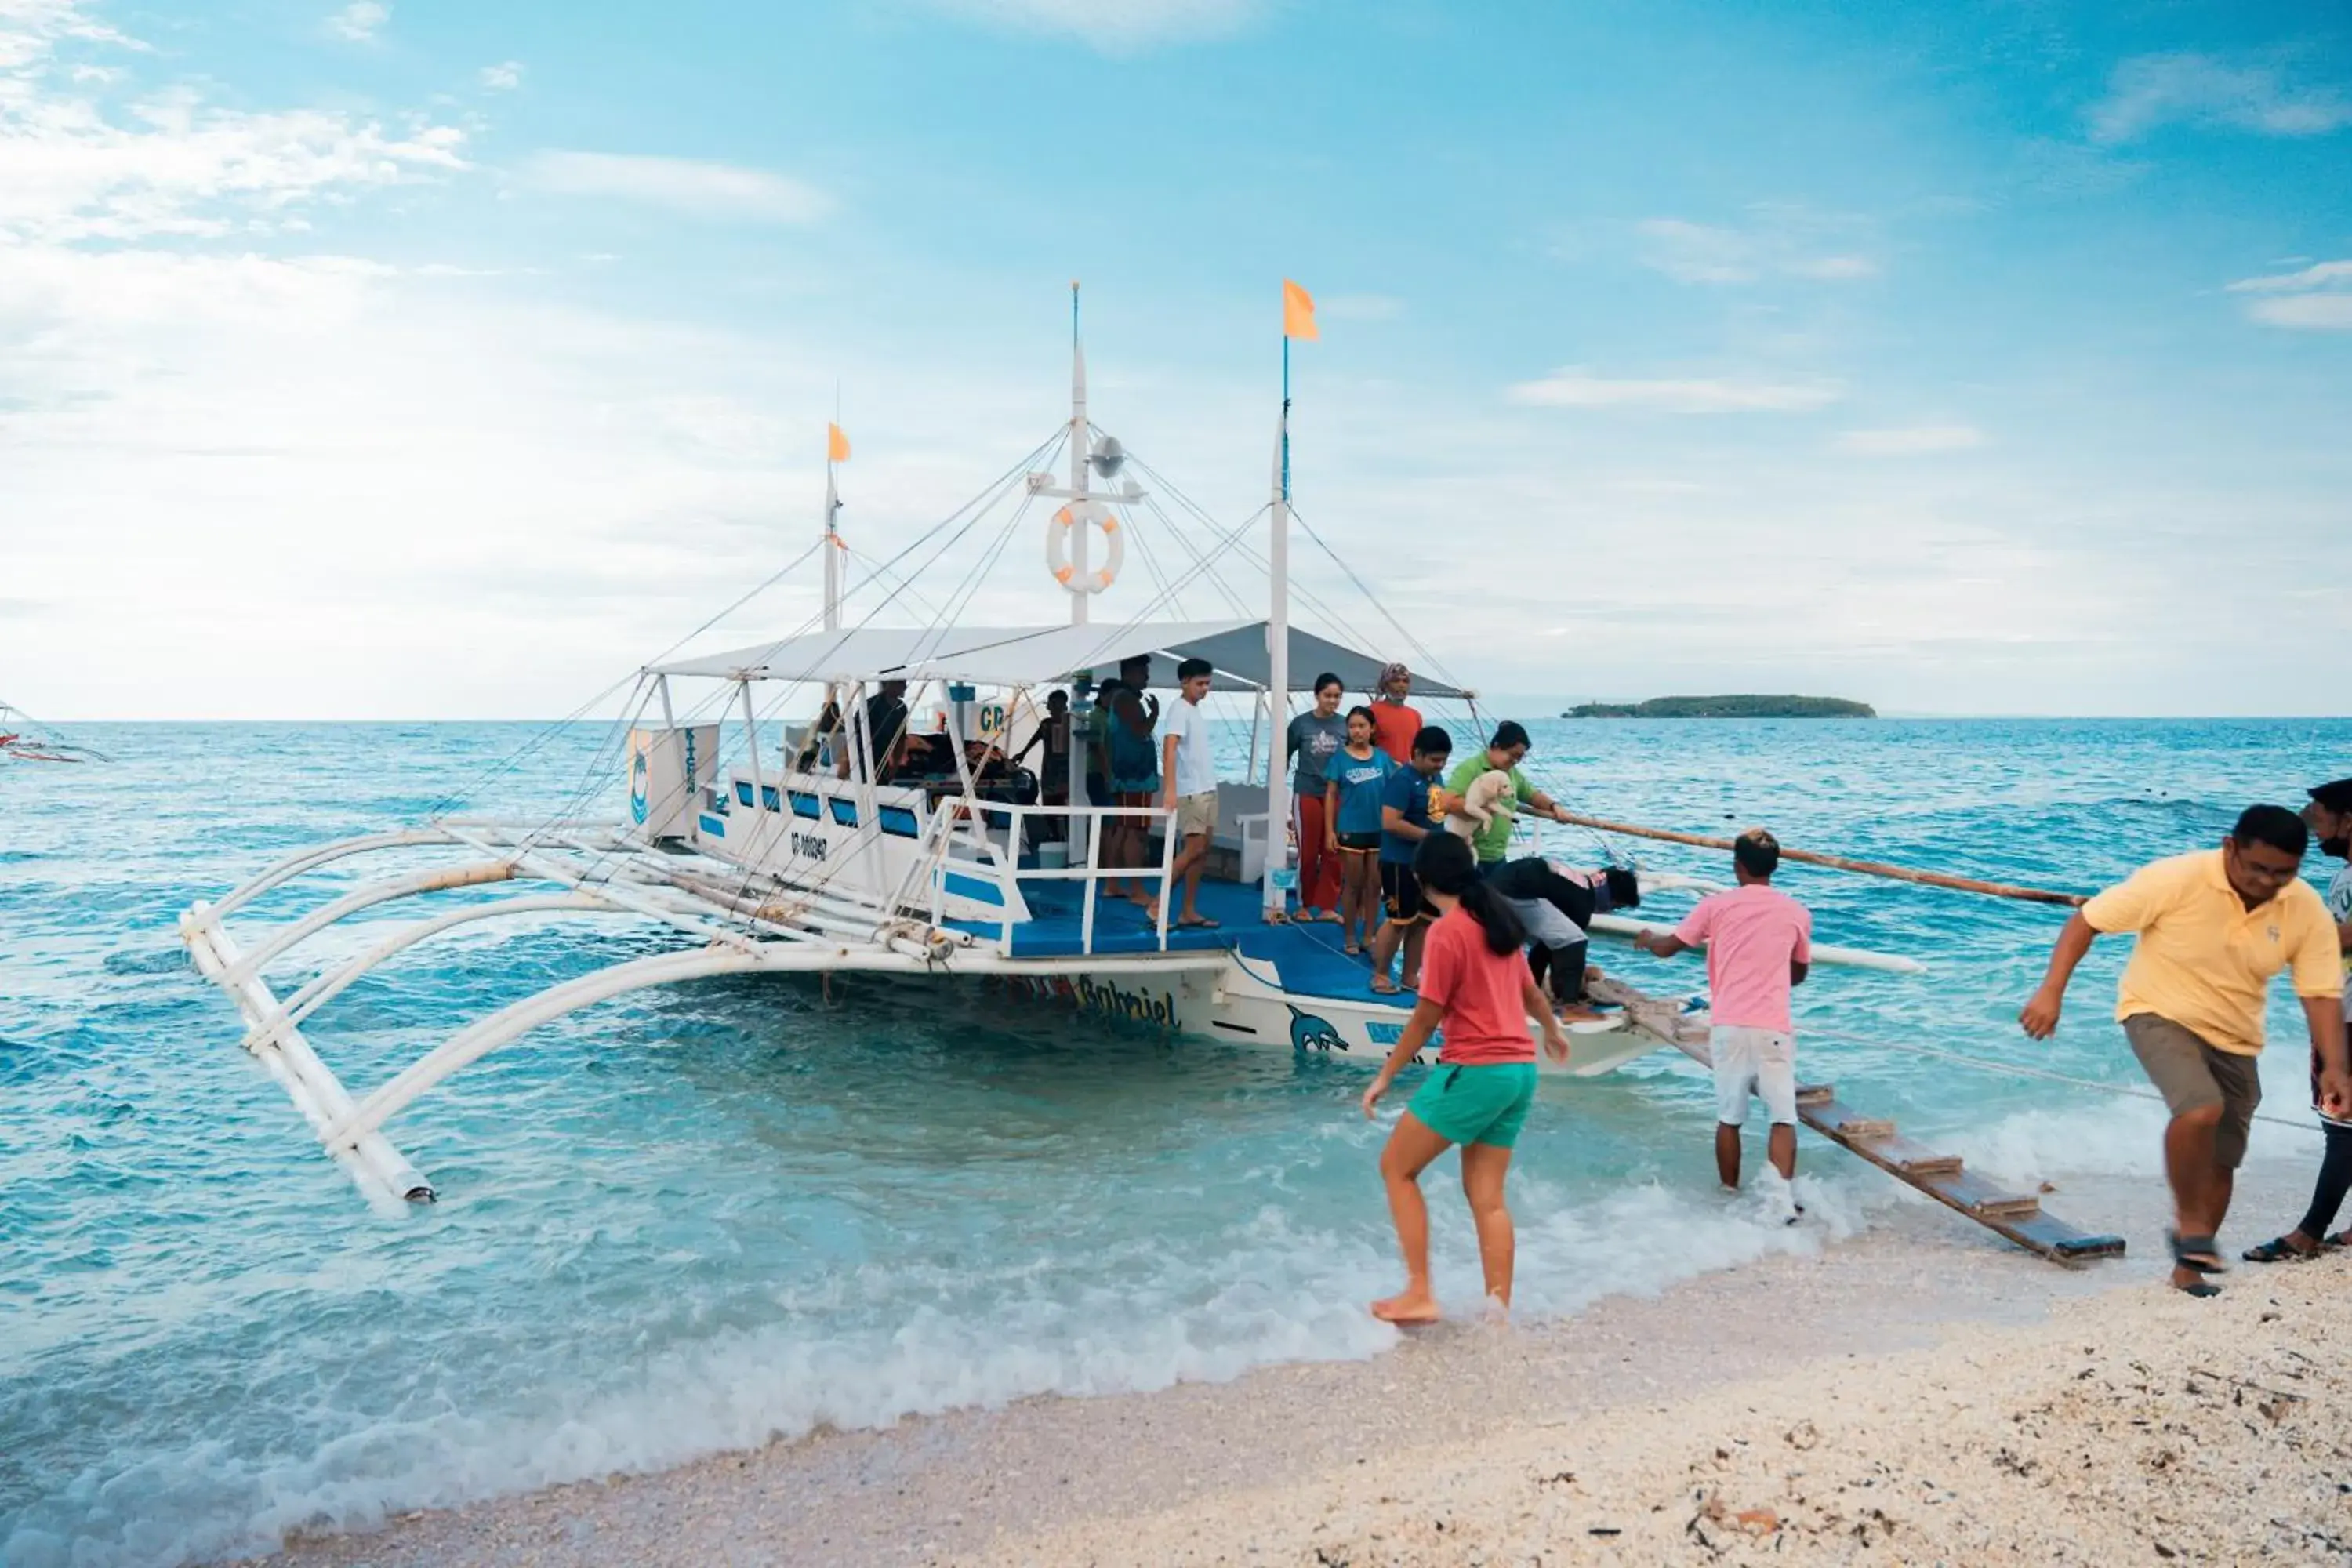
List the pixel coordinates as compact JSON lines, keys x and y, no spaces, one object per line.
{"x":844,"y":812}
{"x":805,"y":804}
{"x":743,"y":791}
{"x":771,"y":798}
{"x":898,"y":821}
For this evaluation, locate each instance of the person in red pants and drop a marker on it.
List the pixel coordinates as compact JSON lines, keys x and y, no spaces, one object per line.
{"x":1316,"y":738}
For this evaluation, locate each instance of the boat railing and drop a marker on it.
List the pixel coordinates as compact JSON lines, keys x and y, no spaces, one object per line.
{"x":1003,"y":860}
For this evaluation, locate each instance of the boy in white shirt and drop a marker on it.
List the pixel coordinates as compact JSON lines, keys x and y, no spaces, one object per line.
{"x":1189,"y":768}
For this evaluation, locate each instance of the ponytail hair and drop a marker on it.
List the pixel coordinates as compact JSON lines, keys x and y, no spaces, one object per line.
{"x":1444,"y":864}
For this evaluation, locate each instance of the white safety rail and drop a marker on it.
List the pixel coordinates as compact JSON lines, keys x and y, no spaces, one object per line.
{"x":1002,"y":859}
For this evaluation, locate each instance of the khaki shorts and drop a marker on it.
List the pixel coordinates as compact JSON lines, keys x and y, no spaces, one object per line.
{"x":2192,"y":1075}
{"x":1196,"y":815}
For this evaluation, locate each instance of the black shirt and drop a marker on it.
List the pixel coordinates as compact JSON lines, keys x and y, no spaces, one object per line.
{"x":1534,"y":877}
{"x":885,"y":726}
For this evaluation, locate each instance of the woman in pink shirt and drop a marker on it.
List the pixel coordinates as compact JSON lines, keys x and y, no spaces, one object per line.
{"x":1759,"y":943}
{"x":1474,"y":980}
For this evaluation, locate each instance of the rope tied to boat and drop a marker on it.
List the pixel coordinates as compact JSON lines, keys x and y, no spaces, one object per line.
{"x":2018,"y":1069}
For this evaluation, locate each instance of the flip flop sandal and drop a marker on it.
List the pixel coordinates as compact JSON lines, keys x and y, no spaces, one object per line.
{"x":2198,"y":1252}
{"x":2198,"y":1289}
{"x":2279,"y":1250}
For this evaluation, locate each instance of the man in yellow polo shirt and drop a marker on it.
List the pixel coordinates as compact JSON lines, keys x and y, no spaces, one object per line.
{"x":2213,"y":927}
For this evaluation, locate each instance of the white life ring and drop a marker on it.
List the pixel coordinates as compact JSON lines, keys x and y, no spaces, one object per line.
{"x":1077,"y":515}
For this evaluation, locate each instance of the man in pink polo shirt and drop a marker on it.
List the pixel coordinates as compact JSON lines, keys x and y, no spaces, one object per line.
{"x":1759,"y":942}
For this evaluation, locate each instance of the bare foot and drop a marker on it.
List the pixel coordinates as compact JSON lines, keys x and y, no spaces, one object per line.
{"x":1412,"y":1307}
{"x":1496,"y":1313}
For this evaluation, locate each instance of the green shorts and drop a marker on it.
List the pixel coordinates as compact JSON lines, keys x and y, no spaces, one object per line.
{"x":1477,"y":1104}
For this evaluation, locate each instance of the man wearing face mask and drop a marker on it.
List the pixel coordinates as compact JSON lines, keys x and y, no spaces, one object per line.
{"x":2213,"y":929}
{"x":2330,"y":816}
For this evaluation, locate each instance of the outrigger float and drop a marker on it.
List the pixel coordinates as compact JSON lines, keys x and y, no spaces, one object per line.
{"x":809,"y":858}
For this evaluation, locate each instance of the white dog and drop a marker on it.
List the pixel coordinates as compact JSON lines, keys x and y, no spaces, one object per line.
{"x":1490,"y":795}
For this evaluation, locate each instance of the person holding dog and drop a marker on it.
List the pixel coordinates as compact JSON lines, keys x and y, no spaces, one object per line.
{"x":1502,"y":754}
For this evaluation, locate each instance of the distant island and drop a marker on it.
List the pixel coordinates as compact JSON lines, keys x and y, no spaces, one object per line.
{"x":1736,"y":707}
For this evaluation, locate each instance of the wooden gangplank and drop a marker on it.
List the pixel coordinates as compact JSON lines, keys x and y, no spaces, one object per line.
{"x":2017,"y":1216}
{"x":1943,"y":1177}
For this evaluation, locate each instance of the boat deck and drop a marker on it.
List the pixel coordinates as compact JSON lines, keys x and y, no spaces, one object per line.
{"x":1308,"y":957}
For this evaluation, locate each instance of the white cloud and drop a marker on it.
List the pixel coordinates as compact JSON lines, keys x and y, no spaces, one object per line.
{"x":504,"y":77}
{"x":2150,"y":91}
{"x":1115,"y":27}
{"x":2318,"y":298}
{"x":1573,"y":387}
{"x":1910,"y":440}
{"x":1778,"y":240}
{"x":72,"y":170}
{"x":30,"y":31}
{"x":2319,"y":275}
{"x":361,"y":22}
{"x":2310,"y":313}
{"x":682,"y":184}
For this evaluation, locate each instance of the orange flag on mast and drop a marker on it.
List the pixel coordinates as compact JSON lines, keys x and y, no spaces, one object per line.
{"x":836,"y":445}
{"x":1298,"y":312}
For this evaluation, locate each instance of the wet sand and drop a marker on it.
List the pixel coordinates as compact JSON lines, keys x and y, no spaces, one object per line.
{"x":1918,"y":1354}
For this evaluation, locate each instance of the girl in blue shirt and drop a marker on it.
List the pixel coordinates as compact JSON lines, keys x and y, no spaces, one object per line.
{"x":1351,"y":817}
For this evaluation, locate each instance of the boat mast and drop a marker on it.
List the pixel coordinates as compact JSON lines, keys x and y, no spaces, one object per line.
{"x":834,"y":450}
{"x":1080,"y":448}
{"x":1277,"y":657}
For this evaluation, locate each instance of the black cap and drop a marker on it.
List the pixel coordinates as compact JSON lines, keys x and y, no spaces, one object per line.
{"x":2337,"y":796}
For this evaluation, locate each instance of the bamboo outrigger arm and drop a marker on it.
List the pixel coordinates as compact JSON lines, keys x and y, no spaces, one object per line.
{"x":1840,"y":863}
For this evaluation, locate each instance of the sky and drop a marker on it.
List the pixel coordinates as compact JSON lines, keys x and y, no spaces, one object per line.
{"x":409,"y":360}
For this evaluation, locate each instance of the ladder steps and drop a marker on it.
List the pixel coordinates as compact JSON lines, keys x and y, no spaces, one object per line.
{"x":1871,"y":1127}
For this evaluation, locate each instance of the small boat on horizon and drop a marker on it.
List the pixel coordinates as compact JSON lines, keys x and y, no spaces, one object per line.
{"x":25,"y":739}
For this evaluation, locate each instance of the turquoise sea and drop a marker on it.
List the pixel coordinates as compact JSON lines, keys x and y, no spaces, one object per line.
{"x":705,"y":1216}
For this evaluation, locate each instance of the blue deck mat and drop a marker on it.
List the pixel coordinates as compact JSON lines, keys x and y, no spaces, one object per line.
{"x":1306,"y":957}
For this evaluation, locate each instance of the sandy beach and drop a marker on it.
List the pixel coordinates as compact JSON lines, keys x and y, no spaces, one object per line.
{"x":1914,"y":1393}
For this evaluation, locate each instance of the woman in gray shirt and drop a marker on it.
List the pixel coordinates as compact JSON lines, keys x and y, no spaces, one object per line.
{"x":1316,"y":738}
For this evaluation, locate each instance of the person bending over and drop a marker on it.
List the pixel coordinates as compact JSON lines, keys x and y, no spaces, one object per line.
{"x":1557,"y":904}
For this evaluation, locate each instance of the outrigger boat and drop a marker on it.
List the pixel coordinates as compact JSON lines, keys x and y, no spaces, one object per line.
{"x":805,"y":857}
{"x":25,"y":739}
